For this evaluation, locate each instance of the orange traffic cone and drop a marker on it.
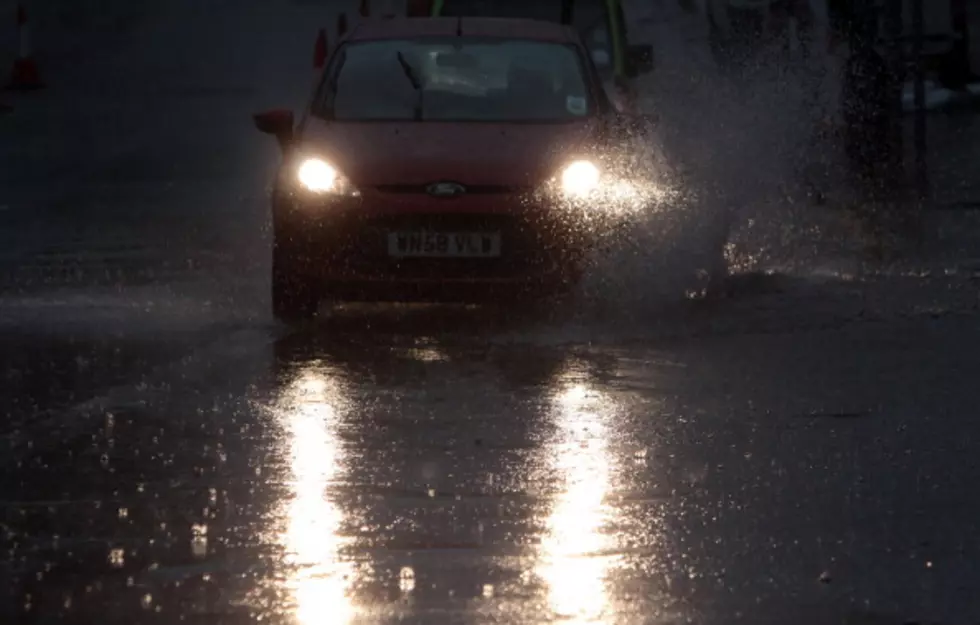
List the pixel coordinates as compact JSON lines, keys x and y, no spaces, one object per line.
{"x":25,"y":75}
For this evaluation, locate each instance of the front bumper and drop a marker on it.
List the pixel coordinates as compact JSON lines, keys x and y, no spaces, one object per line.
{"x":343,"y":248}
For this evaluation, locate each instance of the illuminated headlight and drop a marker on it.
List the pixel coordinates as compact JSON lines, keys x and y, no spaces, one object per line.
{"x":321,"y":177}
{"x":580,"y":178}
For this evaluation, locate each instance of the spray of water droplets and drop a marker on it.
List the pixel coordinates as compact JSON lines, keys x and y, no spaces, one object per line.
{"x":739,"y":161}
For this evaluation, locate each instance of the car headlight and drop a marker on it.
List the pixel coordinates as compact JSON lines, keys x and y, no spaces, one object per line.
{"x":319,"y":176}
{"x":579,"y":178}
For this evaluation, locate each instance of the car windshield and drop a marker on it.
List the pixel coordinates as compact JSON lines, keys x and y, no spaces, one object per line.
{"x":459,"y":80}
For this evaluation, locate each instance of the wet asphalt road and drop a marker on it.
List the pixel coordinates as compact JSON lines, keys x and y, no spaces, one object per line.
{"x":804,"y":450}
{"x":343,"y":475}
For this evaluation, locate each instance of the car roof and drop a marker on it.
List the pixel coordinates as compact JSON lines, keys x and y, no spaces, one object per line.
{"x":503,"y":27}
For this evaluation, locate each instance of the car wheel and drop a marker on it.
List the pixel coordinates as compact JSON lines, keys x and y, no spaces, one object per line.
{"x":294,"y":297}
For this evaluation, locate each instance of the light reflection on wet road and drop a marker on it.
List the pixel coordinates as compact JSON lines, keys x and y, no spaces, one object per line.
{"x":393,"y":477}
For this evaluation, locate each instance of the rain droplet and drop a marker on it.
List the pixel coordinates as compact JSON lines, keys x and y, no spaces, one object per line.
{"x":406,"y":579}
{"x":487,"y":591}
{"x":199,"y":540}
{"x":147,"y":601}
{"x":130,"y":582}
{"x":213,"y":496}
{"x":117,"y":557}
{"x":431,"y":492}
{"x":123,"y":513}
{"x":104,"y":460}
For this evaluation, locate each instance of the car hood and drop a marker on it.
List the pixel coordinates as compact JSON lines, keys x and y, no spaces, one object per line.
{"x":414,"y":153}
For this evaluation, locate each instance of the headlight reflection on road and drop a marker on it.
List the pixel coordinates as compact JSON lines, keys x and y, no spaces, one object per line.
{"x":574,"y":563}
{"x":309,"y":411}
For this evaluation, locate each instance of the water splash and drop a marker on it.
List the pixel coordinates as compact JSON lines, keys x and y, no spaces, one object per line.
{"x":742,"y":158}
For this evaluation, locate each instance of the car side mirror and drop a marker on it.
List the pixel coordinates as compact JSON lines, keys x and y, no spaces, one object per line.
{"x":640,"y":58}
{"x":277,"y":122}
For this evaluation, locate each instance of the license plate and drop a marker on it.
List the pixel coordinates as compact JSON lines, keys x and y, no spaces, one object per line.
{"x":444,"y":244}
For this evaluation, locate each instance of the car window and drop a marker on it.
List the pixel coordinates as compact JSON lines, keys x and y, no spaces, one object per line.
{"x":460,"y":80}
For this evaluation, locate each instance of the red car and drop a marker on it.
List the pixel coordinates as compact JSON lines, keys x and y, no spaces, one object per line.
{"x":442,"y":159}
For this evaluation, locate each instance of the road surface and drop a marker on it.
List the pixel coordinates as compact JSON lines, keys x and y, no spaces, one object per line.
{"x":803,"y":450}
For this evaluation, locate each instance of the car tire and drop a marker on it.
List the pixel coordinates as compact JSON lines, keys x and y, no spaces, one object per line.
{"x":294,"y":297}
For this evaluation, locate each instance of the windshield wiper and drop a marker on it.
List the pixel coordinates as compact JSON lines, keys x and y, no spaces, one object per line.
{"x":413,"y":78}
